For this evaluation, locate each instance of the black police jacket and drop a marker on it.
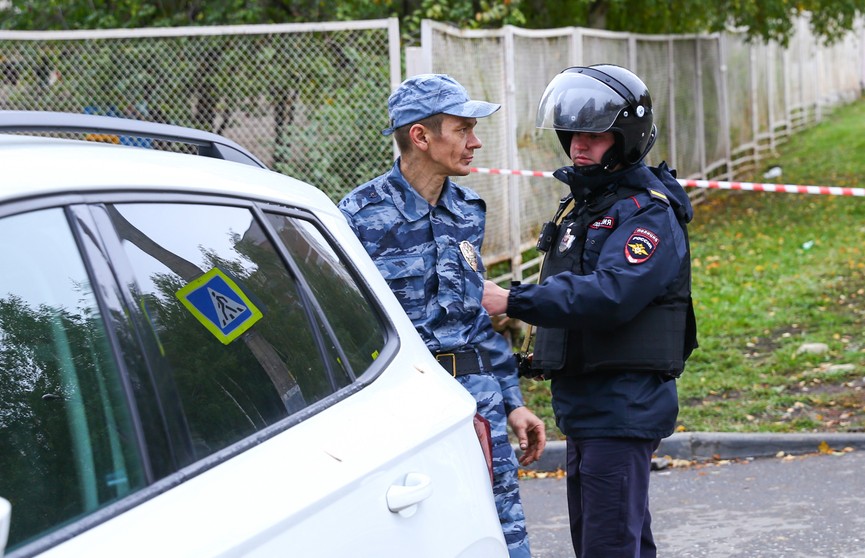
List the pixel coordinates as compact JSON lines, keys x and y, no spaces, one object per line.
{"x":613,"y":305}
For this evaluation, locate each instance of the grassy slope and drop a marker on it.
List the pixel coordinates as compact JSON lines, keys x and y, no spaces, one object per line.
{"x":772,"y":271}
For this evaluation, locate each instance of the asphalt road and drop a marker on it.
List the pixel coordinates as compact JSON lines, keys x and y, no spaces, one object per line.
{"x":810,"y":506}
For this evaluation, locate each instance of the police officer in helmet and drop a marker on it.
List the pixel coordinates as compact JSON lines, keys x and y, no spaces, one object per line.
{"x":612,"y":309}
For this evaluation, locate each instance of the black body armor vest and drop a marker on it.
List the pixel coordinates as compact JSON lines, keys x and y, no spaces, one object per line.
{"x":659,"y":339}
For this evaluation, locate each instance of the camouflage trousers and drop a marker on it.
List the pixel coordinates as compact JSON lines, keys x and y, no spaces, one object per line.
{"x":485,"y":389}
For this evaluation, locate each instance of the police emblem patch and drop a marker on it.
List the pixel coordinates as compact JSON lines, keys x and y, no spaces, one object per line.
{"x":567,"y":240}
{"x":469,"y":254}
{"x":641,"y":245}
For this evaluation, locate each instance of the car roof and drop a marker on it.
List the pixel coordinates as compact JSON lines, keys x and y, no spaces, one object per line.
{"x":205,"y":143}
{"x":36,"y":166}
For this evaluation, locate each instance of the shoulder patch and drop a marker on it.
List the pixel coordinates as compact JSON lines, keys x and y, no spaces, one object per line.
{"x":641,"y":245}
{"x":607,"y":222}
{"x":658,"y":195}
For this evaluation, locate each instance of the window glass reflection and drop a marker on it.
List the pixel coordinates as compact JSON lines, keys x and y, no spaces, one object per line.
{"x":350,"y":315}
{"x":67,"y":445}
{"x":230,"y":388}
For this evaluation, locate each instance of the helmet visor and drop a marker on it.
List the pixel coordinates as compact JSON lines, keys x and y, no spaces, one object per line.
{"x":578,"y":103}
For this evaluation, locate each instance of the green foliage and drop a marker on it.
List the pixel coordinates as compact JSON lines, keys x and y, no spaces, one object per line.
{"x":466,"y":15}
{"x":762,"y":20}
{"x":541,"y":14}
{"x":830,"y":19}
{"x":104,"y":14}
{"x":662,"y":16}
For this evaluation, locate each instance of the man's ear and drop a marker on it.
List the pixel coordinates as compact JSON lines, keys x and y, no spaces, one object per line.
{"x":419,"y":136}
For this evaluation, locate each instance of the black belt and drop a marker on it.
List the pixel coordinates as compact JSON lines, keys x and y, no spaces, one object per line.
{"x":465,"y":362}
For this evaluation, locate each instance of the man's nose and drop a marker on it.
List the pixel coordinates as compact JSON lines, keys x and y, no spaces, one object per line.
{"x":474,"y":141}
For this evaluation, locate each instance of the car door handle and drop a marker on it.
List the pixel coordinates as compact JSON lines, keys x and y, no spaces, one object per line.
{"x":404,"y":498}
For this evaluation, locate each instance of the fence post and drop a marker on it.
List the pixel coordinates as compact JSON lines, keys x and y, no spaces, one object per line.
{"x":632,"y":52}
{"x":514,"y":221}
{"x":426,"y":41}
{"x":701,"y":113}
{"x":755,"y":125}
{"x":671,"y":101}
{"x":576,"y":44}
{"x":819,"y":79}
{"x":724,"y":103}
{"x":394,"y":52}
{"x":801,"y":58}
{"x":862,"y":57}
{"x":770,"y":94}
{"x":788,"y":113}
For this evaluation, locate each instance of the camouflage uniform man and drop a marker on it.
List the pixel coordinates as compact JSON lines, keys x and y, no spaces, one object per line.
{"x":425,"y":234}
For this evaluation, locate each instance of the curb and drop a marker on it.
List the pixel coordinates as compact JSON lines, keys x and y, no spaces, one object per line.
{"x":703,"y":446}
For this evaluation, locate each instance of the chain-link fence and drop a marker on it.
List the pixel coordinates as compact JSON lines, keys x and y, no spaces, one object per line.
{"x":721,"y":105}
{"x":310,"y":100}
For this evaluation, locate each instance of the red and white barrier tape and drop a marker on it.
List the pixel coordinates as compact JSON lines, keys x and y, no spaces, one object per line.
{"x":752,"y":186}
{"x":538,"y":174}
{"x":788,"y":188}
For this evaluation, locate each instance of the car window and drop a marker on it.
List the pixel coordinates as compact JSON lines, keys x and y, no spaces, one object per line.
{"x":360,"y":335}
{"x":251,"y":331}
{"x":67,"y":443}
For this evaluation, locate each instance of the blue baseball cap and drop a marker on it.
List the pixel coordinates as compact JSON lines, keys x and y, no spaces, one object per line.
{"x":427,"y":94}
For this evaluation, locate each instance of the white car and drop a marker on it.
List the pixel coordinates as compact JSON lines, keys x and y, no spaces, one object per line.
{"x":197,"y":359}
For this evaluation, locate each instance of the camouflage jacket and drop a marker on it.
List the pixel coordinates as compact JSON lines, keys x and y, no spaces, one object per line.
{"x":430,"y":257}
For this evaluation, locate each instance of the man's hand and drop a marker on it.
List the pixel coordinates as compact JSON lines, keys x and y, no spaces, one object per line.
{"x":495,"y":299}
{"x":530,"y":432}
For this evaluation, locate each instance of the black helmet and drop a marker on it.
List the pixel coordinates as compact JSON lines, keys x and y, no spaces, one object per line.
{"x":600,"y":98}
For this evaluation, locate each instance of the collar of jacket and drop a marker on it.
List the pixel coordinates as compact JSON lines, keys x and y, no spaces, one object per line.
{"x":584,"y":186}
{"x":454,"y":198}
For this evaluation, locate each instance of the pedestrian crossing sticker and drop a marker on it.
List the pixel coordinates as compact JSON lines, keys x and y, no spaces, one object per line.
{"x":220,"y":305}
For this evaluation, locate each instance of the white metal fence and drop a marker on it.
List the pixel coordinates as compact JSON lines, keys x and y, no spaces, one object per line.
{"x":311,"y":99}
{"x":721,"y":105}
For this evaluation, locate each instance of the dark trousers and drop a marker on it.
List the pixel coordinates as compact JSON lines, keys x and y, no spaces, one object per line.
{"x":608,"y":497}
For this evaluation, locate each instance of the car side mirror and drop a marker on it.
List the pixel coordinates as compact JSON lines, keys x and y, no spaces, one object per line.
{"x":5,"y":519}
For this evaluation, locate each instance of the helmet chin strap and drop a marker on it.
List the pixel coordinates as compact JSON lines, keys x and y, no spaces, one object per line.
{"x":585,"y":181}
{"x":609,"y":162}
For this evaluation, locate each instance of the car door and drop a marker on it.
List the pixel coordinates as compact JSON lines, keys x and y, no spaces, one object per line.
{"x":225,"y":382}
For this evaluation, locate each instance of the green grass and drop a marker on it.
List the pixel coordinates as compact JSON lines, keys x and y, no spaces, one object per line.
{"x":772,"y":271}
